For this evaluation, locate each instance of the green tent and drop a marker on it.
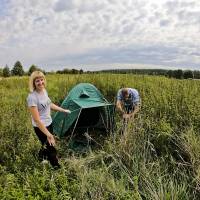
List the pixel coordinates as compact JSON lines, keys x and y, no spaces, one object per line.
{"x":89,"y":109}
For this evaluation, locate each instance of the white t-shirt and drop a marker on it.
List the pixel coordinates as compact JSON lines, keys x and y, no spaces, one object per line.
{"x":42,"y":102}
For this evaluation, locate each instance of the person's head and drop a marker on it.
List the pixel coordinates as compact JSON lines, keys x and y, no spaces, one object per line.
{"x":37,"y":81}
{"x":125,"y":93}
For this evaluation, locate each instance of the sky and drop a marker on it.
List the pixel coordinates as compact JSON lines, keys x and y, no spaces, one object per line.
{"x":100,"y":34}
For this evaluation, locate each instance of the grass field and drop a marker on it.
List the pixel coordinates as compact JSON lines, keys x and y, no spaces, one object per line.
{"x":158,"y":159}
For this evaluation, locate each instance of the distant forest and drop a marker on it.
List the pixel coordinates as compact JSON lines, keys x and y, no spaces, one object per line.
{"x":17,"y":70}
{"x":179,"y":73}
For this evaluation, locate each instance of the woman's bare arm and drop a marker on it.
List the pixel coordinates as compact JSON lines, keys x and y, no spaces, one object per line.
{"x":34,"y":112}
{"x":57,"y":108}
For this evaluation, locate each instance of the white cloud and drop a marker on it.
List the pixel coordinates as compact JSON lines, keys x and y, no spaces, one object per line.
{"x":76,"y":31}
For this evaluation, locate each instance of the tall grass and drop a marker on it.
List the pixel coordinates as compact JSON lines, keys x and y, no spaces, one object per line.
{"x":158,"y":158}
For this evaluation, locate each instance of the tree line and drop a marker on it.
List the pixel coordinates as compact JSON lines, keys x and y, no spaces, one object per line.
{"x":178,"y":74}
{"x":18,"y":70}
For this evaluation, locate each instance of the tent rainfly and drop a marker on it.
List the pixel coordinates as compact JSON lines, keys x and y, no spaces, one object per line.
{"x":88,"y":109}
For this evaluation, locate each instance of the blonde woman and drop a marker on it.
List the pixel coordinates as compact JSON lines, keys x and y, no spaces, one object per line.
{"x":40,"y":105}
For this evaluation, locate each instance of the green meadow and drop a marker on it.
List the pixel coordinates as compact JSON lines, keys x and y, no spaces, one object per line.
{"x":159,"y":158}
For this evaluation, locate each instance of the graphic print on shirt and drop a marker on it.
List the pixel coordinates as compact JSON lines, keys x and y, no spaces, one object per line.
{"x":43,"y":105}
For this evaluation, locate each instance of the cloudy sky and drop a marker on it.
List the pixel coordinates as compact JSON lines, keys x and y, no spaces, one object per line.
{"x":100,"y":34}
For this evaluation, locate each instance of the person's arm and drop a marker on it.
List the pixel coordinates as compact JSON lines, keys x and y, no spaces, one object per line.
{"x":57,"y":108}
{"x":136,"y":109}
{"x":34,"y":112}
{"x":136,"y":101}
{"x":119,"y":106}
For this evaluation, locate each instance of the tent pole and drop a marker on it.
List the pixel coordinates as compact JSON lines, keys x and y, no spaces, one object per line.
{"x":103,"y":122}
{"x":75,"y":124}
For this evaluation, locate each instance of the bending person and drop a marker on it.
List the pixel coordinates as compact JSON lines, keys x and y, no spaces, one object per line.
{"x":128,"y":102}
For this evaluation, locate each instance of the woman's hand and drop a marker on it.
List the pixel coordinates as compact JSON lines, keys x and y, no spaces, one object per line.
{"x":51,"y":140}
{"x":67,"y":111}
{"x":59,"y":109}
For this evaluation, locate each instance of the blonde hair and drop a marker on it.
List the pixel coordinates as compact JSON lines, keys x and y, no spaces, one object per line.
{"x":35,"y":75}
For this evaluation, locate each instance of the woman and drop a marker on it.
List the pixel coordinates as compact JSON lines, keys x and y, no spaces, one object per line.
{"x":40,"y":106}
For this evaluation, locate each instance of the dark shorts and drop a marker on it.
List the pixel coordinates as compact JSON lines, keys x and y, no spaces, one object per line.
{"x":41,"y":136}
{"x":47,"y":151}
{"x":129,"y":108}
